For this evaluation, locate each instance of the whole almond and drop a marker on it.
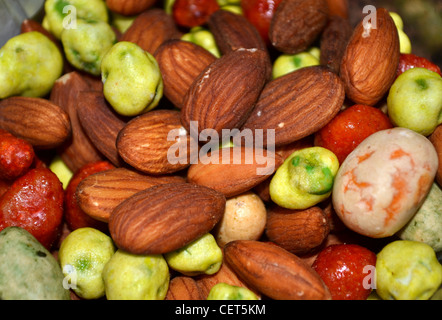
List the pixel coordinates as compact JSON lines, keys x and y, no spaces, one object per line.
{"x":183,"y":288}
{"x":39,"y":121}
{"x":296,"y":24}
{"x":150,"y":29}
{"x":180,"y":63}
{"x":339,"y":8}
{"x":165,"y":217}
{"x":436,"y":140}
{"x":297,"y":104}
{"x":224,"y":94}
{"x":234,"y":170}
{"x":129,"y":7}
{"x":147,"y":141}
{"x":370,"y":62}
{"x":297,"y":231}
{"x":275,"y":272}
{"x":99,"y":194}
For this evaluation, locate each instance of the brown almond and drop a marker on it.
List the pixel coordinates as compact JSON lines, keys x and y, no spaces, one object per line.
{"x":100,"y":123}
{"x":436,"y":140}
{"x":165,"y":217}
{"x":297,"y":104}
{"x":297,"y":231}
{"x":296,"y":24}
{"x":275,"y":272}
{"x":234,"y":170}
{"x":99,"y":194}
{"x":39,"y":121}
{"x":150,"y":29}
{"x":339,"y":8}
{"x":370,"y":61}
{"x":183,"y":288}
{"x":180,"y":63}
{"x":224,"y":94}
{"x":129,"y":7}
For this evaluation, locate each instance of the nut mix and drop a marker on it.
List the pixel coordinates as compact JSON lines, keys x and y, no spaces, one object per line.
{"x":287,"y":156}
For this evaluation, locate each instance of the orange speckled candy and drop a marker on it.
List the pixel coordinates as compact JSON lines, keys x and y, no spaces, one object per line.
{"x":383,"y":182}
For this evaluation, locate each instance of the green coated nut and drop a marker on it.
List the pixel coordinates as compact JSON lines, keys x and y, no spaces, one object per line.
{"x":30,"y":63}
{"x":136,"y":277}
{"x":64,"y":14}
{"x":287,"y":63}
{"x":132,"y":81}
{"x":83,"y":255}
{"x":234,"y":8}
{"x":224,"y":291}
{"x":305,"y":178}
{"x":122,"y":23}
{"x":407,"y":270}
{"x":201,"y":256}
{"x":86,"y":45}
{"x":204,"y":38}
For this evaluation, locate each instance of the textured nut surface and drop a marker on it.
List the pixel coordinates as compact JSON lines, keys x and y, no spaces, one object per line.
{"x":183,"y":288}
{"x":129,"y":7}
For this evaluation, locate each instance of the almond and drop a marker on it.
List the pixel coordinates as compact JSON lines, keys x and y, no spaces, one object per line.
{"x":233,"y":170}
{"x":370,"y":61}
{"x":129,"y":7}
{"x":297,"y":104}
{"x":224,"y":94}
{"x":78,"y":150}
{"x":180,"y":63}
{"x":338,"y":8}
{"x":296,"y":24}
{"x":275,"y":272}
{"x":39,"y":121}
{"x":183,"y":288}
{"x":165,"y":217}
{"x":147,"y":142}
{"x":100,"y":123}
{"x":436,"y":140}
{"x":99,"y":194}
{"x":150,"y":29}
{"x":297,"y":231}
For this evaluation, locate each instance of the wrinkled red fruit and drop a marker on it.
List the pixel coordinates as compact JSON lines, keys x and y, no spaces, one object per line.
{"x":75,"y":217}
{"x":347,"y":270}
{"x":349,"y":128}
{"x":409,"y":61}
{"x":260,"y":13}
{"x":193,"y":13}
{"x":16,"y":156}
{"x":34,"y":202}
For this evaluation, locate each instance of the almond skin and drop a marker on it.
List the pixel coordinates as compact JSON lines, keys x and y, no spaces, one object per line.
{"x":275,"y":272}
{"x":165,"y":217}
{"x":99,"y":194}
{"x":39,"y":121}
{"x":297,"y":104}
{"x":370,"y":61}
{"x":180,"y":63}
{"x":129,"y":7}
{"x":183,"y":288}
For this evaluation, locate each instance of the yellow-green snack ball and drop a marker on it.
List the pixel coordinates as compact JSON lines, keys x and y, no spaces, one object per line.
{"x":136,"y":277}
{"x":204,"y":38}
{"x":122,"y":23}
{"x":64,"y":14}
{"x":203,"y":255}
{"x":132,"y":79}
{"x":287,"y":63}
{"x":407,"y":270}
{"x":305,"y":178}
{"x":29,"y":65}
{"x":83,"y":255}
{"x":61,"y":170}
{"x":224,"y":291}
{"x":86,"y":45}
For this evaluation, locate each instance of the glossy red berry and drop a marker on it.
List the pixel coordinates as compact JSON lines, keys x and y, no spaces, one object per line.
{"x":192,"y":13}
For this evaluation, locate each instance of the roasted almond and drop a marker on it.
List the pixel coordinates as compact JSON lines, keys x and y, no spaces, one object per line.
{"x":39,"y":121}
{"x":370,"y":61}
{"x":180,"y":63}
{"x":183,"y":288}
{"x":234,"y":170}
{"x":156,"y":143}
{"x":99,"y":194}
{"x":297,"y":104}
{"x":224,"y":94}
{"x":129,"y":7}
{"x":275,"y":272}
{"x":165,"y":217}
{"x":338,"y":8}
{"x":296,"y":24}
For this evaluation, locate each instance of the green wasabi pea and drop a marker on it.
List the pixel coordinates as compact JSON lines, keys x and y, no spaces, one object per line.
{"x":224,"y":291}
{"x":86,"y":45}
{"x":30,"y":63}
{"x":64,"y":14}
{"x":287,"y":63}
{"x":305,"y":178}
{"x":202,"y":255}
{"x":122,"y":23}
{"x":132,"y":79}
{"x":204,"y":38}
{"x":407,"y":270}
{"x":136,"y":277}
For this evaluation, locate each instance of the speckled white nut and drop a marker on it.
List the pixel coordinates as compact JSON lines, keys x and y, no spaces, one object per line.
{"x":382,"y":183}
